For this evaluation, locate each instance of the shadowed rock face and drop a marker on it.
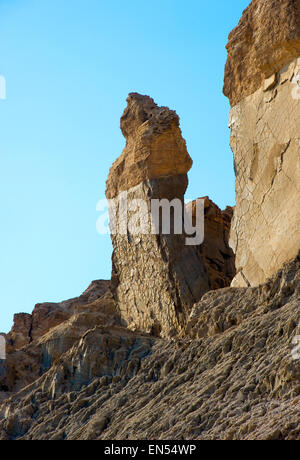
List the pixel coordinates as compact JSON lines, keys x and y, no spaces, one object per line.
{"x":157,"y":278}
{"x":265,"y":138}
{"x":266,"y":39}
{"x":215,"y":251}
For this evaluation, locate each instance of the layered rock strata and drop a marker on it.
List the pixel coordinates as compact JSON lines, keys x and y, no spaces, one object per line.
{"x":232,"y":375}
{"x":24,"y":366}
{"x":156,"y":276}
{"x":262,"y":80}
{"x":29,"y":327}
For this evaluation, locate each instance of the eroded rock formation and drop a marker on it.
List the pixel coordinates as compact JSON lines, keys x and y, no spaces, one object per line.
{"x":20,"y":332}
{"x":266,"y":39}
{"x":261,"y":79}
{"x":31,"y":350}
{"x":215,"y":252}
{"x":45,"y":316}
{"x":157,"y":277}
{"x":80,"y":369}
{"x":231,"y":375}
{"x":154,"y":147}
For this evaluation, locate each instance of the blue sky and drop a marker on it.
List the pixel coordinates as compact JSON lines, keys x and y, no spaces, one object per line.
{"x":69,"y":66}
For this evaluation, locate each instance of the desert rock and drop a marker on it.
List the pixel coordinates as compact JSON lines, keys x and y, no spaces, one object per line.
{"x":261,"y":79}
{"x":266,"y":39}
{"x":29,"y":327}
{"x":215,"y":251}
{"x":167,"y":349}
{"x":154,"y":146}
{"x":231,"y":376}
{"x":157,"y":278}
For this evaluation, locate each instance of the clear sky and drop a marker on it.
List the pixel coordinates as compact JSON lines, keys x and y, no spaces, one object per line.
{"x":69,"y":65}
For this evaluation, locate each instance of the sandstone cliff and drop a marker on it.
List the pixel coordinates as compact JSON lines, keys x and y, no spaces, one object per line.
{"x":231,"y":375}
{"x":261,"y":80}
{"x":156,"y":279}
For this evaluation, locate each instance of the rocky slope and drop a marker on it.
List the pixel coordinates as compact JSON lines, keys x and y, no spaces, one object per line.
{"x":230,"y":376}
{"x":261,"y":79}
{"x":45,"y":316}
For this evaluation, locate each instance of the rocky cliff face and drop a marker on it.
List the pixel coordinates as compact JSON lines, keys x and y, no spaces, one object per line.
{"x":36,"y":340}
{"x":157,"y":277}
{"x":20,"y":332}
{"x":215,"y":251}
{"x":266,"y":39}
{"x":261,"y":80}
{"x":154,"y":146}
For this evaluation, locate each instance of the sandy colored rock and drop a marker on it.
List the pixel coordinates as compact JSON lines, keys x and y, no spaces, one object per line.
{"x":158,"y":357}
{"x":20,"y":332}
{"x":265,"y":139}
{"x":28,"y":327}
{"x":154,"y":146}
{"x":157,"y":278}
{"x":27,"y":359}
{"x":265,"y":41}
{"x":231,"y":376}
